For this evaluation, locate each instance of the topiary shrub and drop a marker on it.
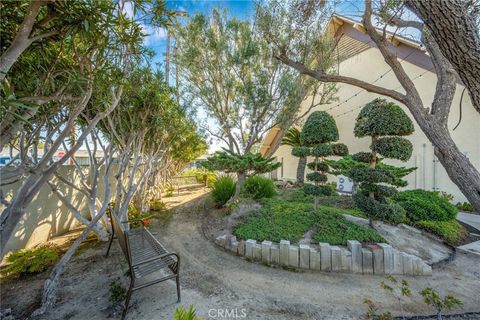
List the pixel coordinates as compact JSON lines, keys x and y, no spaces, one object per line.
{"x":318,"y":133}
{"x":385,"y":122}
{"x":223,"y":189}
{"x":258,"y":187}
{"x":425,"y":205}
{"x":30,"y":261}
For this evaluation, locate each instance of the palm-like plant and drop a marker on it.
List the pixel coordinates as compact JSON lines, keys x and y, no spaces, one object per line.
{"x":292,"y":138}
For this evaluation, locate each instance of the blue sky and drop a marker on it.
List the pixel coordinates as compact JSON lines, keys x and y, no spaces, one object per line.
{"x":242,"y":9}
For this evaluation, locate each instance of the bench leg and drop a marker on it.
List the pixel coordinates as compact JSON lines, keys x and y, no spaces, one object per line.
{"x":110,"y":244}
{"x":177,"y":279}
{"x":127,"y":300}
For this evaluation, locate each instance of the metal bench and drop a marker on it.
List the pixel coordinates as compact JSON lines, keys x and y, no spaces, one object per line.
{"x":145,"y":256}
{"x":185,"y":182}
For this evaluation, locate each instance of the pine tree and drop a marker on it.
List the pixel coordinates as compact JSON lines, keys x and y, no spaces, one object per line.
{"x":386,"y":123}
{"x":318,"y":133}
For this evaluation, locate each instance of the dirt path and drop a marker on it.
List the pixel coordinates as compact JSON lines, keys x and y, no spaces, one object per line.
{"x":214,"y":281}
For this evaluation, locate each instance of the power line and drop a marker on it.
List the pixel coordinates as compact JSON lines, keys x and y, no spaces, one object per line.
{"x":361,"y":106}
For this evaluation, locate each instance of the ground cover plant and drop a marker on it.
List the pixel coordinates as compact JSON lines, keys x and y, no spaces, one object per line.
{"x":281,"y":219}
{"x":432,"y":212}
{"x":30,"y":261}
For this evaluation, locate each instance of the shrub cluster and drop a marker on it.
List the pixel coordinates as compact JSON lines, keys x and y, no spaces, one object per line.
{"x":223,"y":189}
{"x":425,"y":205}
{"x":258,"y":187}
{"x":30,"y":261}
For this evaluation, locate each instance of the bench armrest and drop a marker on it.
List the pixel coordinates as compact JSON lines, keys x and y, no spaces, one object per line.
{"x":160,"y":257}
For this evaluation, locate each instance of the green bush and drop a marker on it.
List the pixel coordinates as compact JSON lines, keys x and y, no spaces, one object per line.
{"x":182,"y":314}
{"x":201,"y":173}
{"x":363,"y":157}
{"x":223,"y":189}
{"x":319,"y":128}
{"x":465,"y":206}
{"x":388,"y":212}
{"x":425,"y":205}
{"x":393,"y":147}
{"x":316,"y":177}
{"x":117,"y":292}
{"x":258,"y":187}
{"x":30,"y":261}
{"x":382,"y":118}
{"x":314,"y":190}
{"x":157,"y":205}
{"x":322,"y":150}
{"x":340,"y":149}
{"x":451,"y":231}
{"x":280,"y":219}
{"x":301,"y":151}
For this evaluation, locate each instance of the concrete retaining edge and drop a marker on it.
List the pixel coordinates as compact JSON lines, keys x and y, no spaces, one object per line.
{"x":376,"y":259}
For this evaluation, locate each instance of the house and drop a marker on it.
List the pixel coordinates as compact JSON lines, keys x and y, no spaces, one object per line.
{"x":362,"y":60}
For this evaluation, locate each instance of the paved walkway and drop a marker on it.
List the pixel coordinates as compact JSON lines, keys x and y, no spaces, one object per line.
{"x":472,"y":220}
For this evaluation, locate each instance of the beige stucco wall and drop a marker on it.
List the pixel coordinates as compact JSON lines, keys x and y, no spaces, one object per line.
{"x":46,"y":216}
{"x":430,"y":175}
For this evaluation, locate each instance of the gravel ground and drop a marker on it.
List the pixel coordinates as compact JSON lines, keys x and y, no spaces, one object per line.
{"x":223,"y":286}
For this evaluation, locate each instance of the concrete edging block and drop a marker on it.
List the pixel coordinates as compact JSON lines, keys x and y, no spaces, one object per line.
{"x":304,"y":256}
{"x":293,"y":256}
{"x":284,"y":247}
{"x":266,"y":247}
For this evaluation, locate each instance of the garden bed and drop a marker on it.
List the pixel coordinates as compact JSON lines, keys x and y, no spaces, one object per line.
{"x":279,"y":219}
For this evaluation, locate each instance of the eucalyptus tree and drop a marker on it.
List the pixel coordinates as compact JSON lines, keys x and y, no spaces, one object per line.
{"x":296,"y":31}
{"x":226,"y":67}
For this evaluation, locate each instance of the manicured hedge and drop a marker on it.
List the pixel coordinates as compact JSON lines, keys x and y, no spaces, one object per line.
{"x":319,"y":128}
{"x":393,"y":147}
{"x":425,"y":205}
{"x":382,"y":118}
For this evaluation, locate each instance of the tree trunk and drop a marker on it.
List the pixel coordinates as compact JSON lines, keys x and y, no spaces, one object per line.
{"x":454,"y":30}
{"x":51,"y":284}
{"x":240,"y":180}
{"x":302,"y":163}
{"x":21,"y":41}
{"x":459,"y":169}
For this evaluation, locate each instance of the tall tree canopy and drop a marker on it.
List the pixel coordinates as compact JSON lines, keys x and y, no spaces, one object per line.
{"x":297,"y":31}
{"x":226,"y":67}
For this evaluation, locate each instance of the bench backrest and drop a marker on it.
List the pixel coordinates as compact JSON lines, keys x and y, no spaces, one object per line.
{"x":119,"y":230}
{"x":185,"y":180}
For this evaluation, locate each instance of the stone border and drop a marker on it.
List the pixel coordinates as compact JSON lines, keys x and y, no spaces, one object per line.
{"x":376,"y":259}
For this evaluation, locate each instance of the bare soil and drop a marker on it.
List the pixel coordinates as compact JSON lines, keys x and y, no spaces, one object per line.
{"x":218,"y":283}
